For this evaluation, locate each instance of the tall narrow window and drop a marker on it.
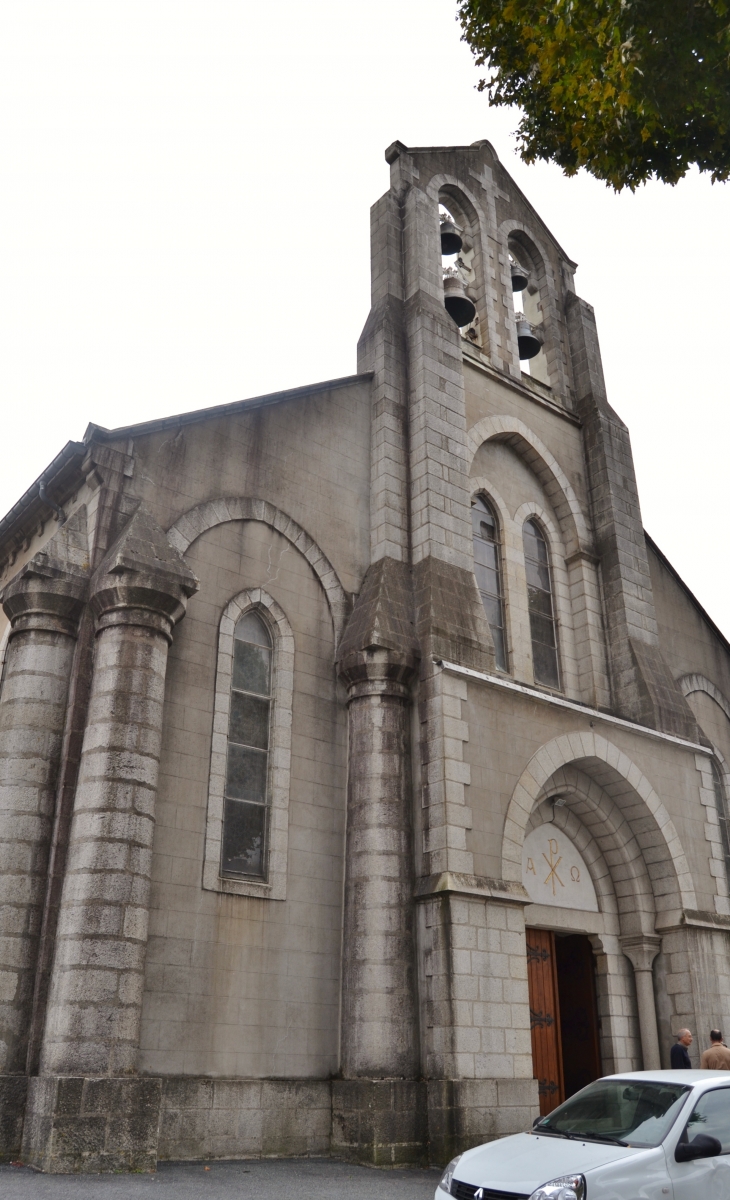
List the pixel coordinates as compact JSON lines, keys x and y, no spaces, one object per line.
{"x":722,"y":814}
{"x":247,"y":770}
{"x":541,"y":606}
{"x":488,"y":571}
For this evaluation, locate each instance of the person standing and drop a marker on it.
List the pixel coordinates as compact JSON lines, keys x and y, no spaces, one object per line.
{"x":679,"y":1055}
{"x":717,"y":1058}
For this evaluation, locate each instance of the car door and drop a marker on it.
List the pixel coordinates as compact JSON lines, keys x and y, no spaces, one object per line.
{"x":705,"y":1178}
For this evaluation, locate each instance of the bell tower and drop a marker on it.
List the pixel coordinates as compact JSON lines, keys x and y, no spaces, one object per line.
{"x":474,"y":319}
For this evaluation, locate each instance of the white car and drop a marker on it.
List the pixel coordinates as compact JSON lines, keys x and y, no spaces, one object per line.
{"x":645,"y":1135}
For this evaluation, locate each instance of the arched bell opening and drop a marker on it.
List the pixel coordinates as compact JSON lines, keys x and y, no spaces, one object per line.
{"x":461,"y":261}
{"x":527,"y":275}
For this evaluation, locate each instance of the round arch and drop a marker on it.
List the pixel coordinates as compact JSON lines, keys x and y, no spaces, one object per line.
{"x":545,"y":466}
{"x":700,"y":683}
{"x":203,"y":517}
{"x":628,"y":788}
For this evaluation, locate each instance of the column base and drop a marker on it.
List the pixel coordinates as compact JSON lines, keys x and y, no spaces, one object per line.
{"x":76,"y":1125}
{"x":13,"y":1091}
{"x":382,"y":1122}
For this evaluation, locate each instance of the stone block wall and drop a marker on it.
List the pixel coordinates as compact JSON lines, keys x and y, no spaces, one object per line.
{"x":87,"y":1125}
{"x":466,"y":1112}
{"x":477,"y":1005}
{"x":384,"y":1122}
{"x":243,"y":1118}
{"x":692,"y":985}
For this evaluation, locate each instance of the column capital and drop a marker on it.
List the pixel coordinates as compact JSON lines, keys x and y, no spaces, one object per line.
{"x":379,"y":652}
{"x":378,"y":672}
{"x":641,"y":951}
{"x":143,"y":580}
{"x":49,"y":591}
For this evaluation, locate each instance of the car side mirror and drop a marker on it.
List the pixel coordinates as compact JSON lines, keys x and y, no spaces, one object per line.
{"x":701,"y":1146}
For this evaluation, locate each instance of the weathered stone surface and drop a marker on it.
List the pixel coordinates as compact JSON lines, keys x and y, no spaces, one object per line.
{"x":379,"y":1004}
{"x":383,"y":616}
{"x":87,"y":1125}
{"x":244,"y":1118}
{"x":13,"y":1091}
{"x":450,"y":616}
{"x":464,"y":1112}
{"x":383,"y":1122}
{"x":44,"y":603}
{"x":642,"y":685}
{"x":95,"y":998}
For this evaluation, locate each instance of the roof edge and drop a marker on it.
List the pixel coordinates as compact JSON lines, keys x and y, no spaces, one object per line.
{"x":30,"y":507}
{"x":688,"y":592}
{"x":99,"y":433}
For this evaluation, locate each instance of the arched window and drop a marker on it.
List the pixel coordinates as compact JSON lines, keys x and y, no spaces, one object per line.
{"x":488,"y":571}
{"x":245,"y":818}
{"x":722,"y":817}
{"x":247,"y":830}
{"x":541,"y":606}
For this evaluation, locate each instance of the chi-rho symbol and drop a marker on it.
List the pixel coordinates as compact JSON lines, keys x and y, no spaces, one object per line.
{"x":554,"y":871}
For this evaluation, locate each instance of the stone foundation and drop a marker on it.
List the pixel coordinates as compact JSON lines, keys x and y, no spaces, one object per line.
{"x":13,"y":1090}
{"x":466,"y":1112}
{"x":77,"y":1124}
{"x":244,"y":1118}
{"x":383,"y":1122}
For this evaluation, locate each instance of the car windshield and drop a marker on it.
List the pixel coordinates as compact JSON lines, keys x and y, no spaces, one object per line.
{"x":618,"y":1110}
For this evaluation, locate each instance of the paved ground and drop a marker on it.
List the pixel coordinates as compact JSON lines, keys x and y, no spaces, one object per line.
{"x":292,"y":1179}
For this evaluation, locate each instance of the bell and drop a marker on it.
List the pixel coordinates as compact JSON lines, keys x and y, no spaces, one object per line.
{"x":458,"y":305}
{"x":451,"y":242}
{"x":520,"y":277}
{"x":529,"y":339}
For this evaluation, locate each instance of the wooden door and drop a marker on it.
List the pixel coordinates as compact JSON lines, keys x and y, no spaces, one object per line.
{"x":542,"y":978}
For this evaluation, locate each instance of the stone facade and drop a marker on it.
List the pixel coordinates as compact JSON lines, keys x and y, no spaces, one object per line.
{"x":336,"y":962}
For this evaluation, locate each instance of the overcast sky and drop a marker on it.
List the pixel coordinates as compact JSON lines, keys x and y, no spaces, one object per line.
{"x":184,"y":222}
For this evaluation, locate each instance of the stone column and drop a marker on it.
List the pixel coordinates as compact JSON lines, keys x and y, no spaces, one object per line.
{"x":378,"y":1113}
{"x":94,"y":1007}
{"x":641,"y":952}
{"x":43,"y":603}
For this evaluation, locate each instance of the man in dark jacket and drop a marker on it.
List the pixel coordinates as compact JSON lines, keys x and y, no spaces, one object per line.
{"x":679,"y":1055}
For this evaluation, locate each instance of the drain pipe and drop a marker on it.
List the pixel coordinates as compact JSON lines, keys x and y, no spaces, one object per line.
{"x":43,"y":495}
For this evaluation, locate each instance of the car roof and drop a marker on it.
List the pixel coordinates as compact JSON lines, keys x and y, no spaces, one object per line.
{"x":692,"y":1078}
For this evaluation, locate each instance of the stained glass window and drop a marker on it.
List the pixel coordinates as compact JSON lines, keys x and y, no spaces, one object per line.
{"x":245,"y":819}
{"x":488,"y":571}
{"x":541,"y":606}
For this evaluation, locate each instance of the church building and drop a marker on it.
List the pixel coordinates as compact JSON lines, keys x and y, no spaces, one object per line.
{"x":364,"y":765}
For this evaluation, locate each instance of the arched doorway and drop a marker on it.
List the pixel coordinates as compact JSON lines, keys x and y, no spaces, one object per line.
{"x":563,"y":1014}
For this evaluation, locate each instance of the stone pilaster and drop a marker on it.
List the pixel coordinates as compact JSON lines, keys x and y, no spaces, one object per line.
{"x":382,"y":350}
{"x":92,"y":1025}
{"x":641,"y":682}
{"x":43,"y":603}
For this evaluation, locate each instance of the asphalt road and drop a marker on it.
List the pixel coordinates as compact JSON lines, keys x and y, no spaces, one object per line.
{"x":285,"y":1179}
